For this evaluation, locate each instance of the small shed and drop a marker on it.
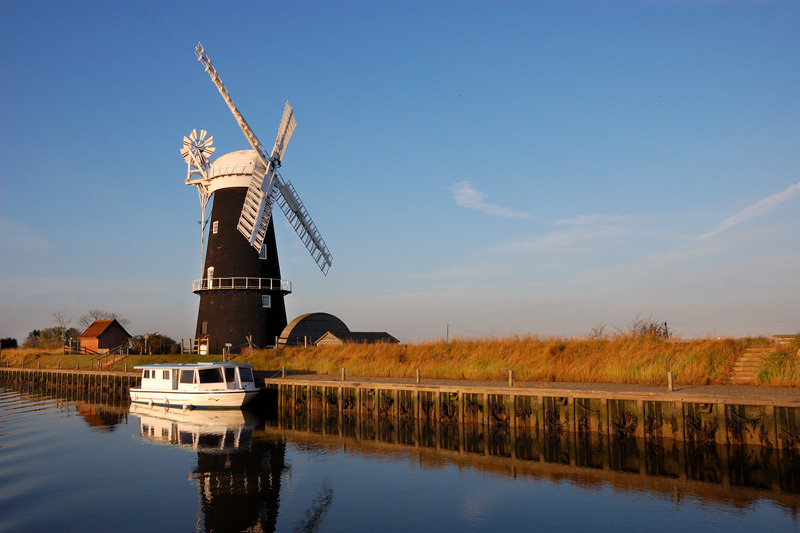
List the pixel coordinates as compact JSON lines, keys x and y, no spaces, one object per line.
{"x":102,"y":336}
{"x":358,"y":337}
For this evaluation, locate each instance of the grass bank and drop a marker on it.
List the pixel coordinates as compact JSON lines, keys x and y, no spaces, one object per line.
{"x":35,"y":357}
{"x":781,"y":368}
{"x":626,"y":360}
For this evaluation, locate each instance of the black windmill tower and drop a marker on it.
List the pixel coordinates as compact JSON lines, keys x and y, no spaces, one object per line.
{"x":241,"y":290}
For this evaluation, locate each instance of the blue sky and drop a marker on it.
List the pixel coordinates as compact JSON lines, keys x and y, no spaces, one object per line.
{"x":501,"y":167}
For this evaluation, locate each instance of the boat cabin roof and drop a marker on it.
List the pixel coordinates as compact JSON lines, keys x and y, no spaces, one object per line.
{"x":189,"y":366}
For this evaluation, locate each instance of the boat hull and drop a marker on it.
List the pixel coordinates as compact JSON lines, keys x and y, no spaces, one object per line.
{"x":211,"y":399}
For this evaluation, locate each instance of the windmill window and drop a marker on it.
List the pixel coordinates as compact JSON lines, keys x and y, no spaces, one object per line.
{"x":262,"y":253}
{"x":266,"y":301}
{"x":204,"y":327}
{"x":215,"y":227}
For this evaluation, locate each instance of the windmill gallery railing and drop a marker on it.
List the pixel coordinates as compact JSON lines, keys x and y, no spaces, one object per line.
{"x":265,"y":284}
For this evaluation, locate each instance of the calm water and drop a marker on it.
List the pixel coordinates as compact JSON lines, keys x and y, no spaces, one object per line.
{"x":75,"y":466}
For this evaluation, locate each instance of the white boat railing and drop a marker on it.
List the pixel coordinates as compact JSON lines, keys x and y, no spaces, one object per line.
{"x":261,"y":284}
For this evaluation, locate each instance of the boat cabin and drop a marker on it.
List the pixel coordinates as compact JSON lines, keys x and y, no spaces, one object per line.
{"x":197,"y":376}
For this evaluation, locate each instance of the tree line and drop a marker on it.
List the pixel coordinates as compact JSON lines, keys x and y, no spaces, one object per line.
{"x":60,"y":334}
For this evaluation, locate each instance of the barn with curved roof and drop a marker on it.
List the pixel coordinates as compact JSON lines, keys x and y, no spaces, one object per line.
{"x":308,"y":328}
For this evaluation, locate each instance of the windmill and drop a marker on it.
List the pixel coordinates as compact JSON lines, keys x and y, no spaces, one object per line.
{"x":241,"y":290}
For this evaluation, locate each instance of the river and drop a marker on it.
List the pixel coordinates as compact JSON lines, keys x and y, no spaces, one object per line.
{"x":77,"y":465}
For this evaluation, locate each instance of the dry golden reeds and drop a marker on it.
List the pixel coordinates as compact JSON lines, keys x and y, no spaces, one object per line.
{"x":643,"y":360}
{"x":621,"y":359}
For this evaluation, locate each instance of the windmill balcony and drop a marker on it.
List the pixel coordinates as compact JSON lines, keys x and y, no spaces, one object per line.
{"x":255,"y":284}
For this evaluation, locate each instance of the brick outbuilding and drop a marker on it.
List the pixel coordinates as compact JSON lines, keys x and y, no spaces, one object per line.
{"x":102,"y":336}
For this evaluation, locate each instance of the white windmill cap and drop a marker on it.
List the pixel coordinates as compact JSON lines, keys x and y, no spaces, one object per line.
{"x":233,"y":170}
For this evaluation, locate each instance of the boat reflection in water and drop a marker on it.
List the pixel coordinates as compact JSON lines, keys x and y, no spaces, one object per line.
{"x":238,"y":476}
{"x":206,"y":430}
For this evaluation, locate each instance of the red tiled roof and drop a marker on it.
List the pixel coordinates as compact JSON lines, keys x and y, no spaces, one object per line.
{"x":98,"y":327}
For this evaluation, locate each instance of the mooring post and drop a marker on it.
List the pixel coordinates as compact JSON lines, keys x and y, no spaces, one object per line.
{"x":344,"y":375}
{"x":669,"y":381}
{"x":283,"y":371}
{"x":640,"y":418}
{"x":722,"y":421}
{"x":510,"y":378}
{"x":770,"y":425}
{"x":418,"y":376}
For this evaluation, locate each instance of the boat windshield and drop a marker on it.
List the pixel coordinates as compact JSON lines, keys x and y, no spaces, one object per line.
{"x":245,"y":374}
{"x":230,"y":374}
{"x":187,"y":376}
{"x":210,"y":375}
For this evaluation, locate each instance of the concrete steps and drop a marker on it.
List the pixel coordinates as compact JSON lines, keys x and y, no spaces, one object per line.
{"x":112,"y":362}
{"x":744,"y":369}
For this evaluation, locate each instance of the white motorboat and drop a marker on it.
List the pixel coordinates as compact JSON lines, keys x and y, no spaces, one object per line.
{"x":196,"y":385}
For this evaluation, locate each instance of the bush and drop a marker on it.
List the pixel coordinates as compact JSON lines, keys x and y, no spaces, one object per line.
{"x":8,"y":342}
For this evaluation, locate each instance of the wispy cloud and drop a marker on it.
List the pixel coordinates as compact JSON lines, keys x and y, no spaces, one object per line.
{"x":593,"y":220}
{"x":461,"y":272}
{"x":757,"y":209}
{"x":582,"y":234}
{"x":17,"y":236}
{"x":467,"y":196}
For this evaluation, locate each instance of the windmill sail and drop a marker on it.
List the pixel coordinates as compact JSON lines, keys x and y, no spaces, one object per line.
{"x":267,"y":188}
{"x":257,"y":208}
{"x":298,"y":217}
